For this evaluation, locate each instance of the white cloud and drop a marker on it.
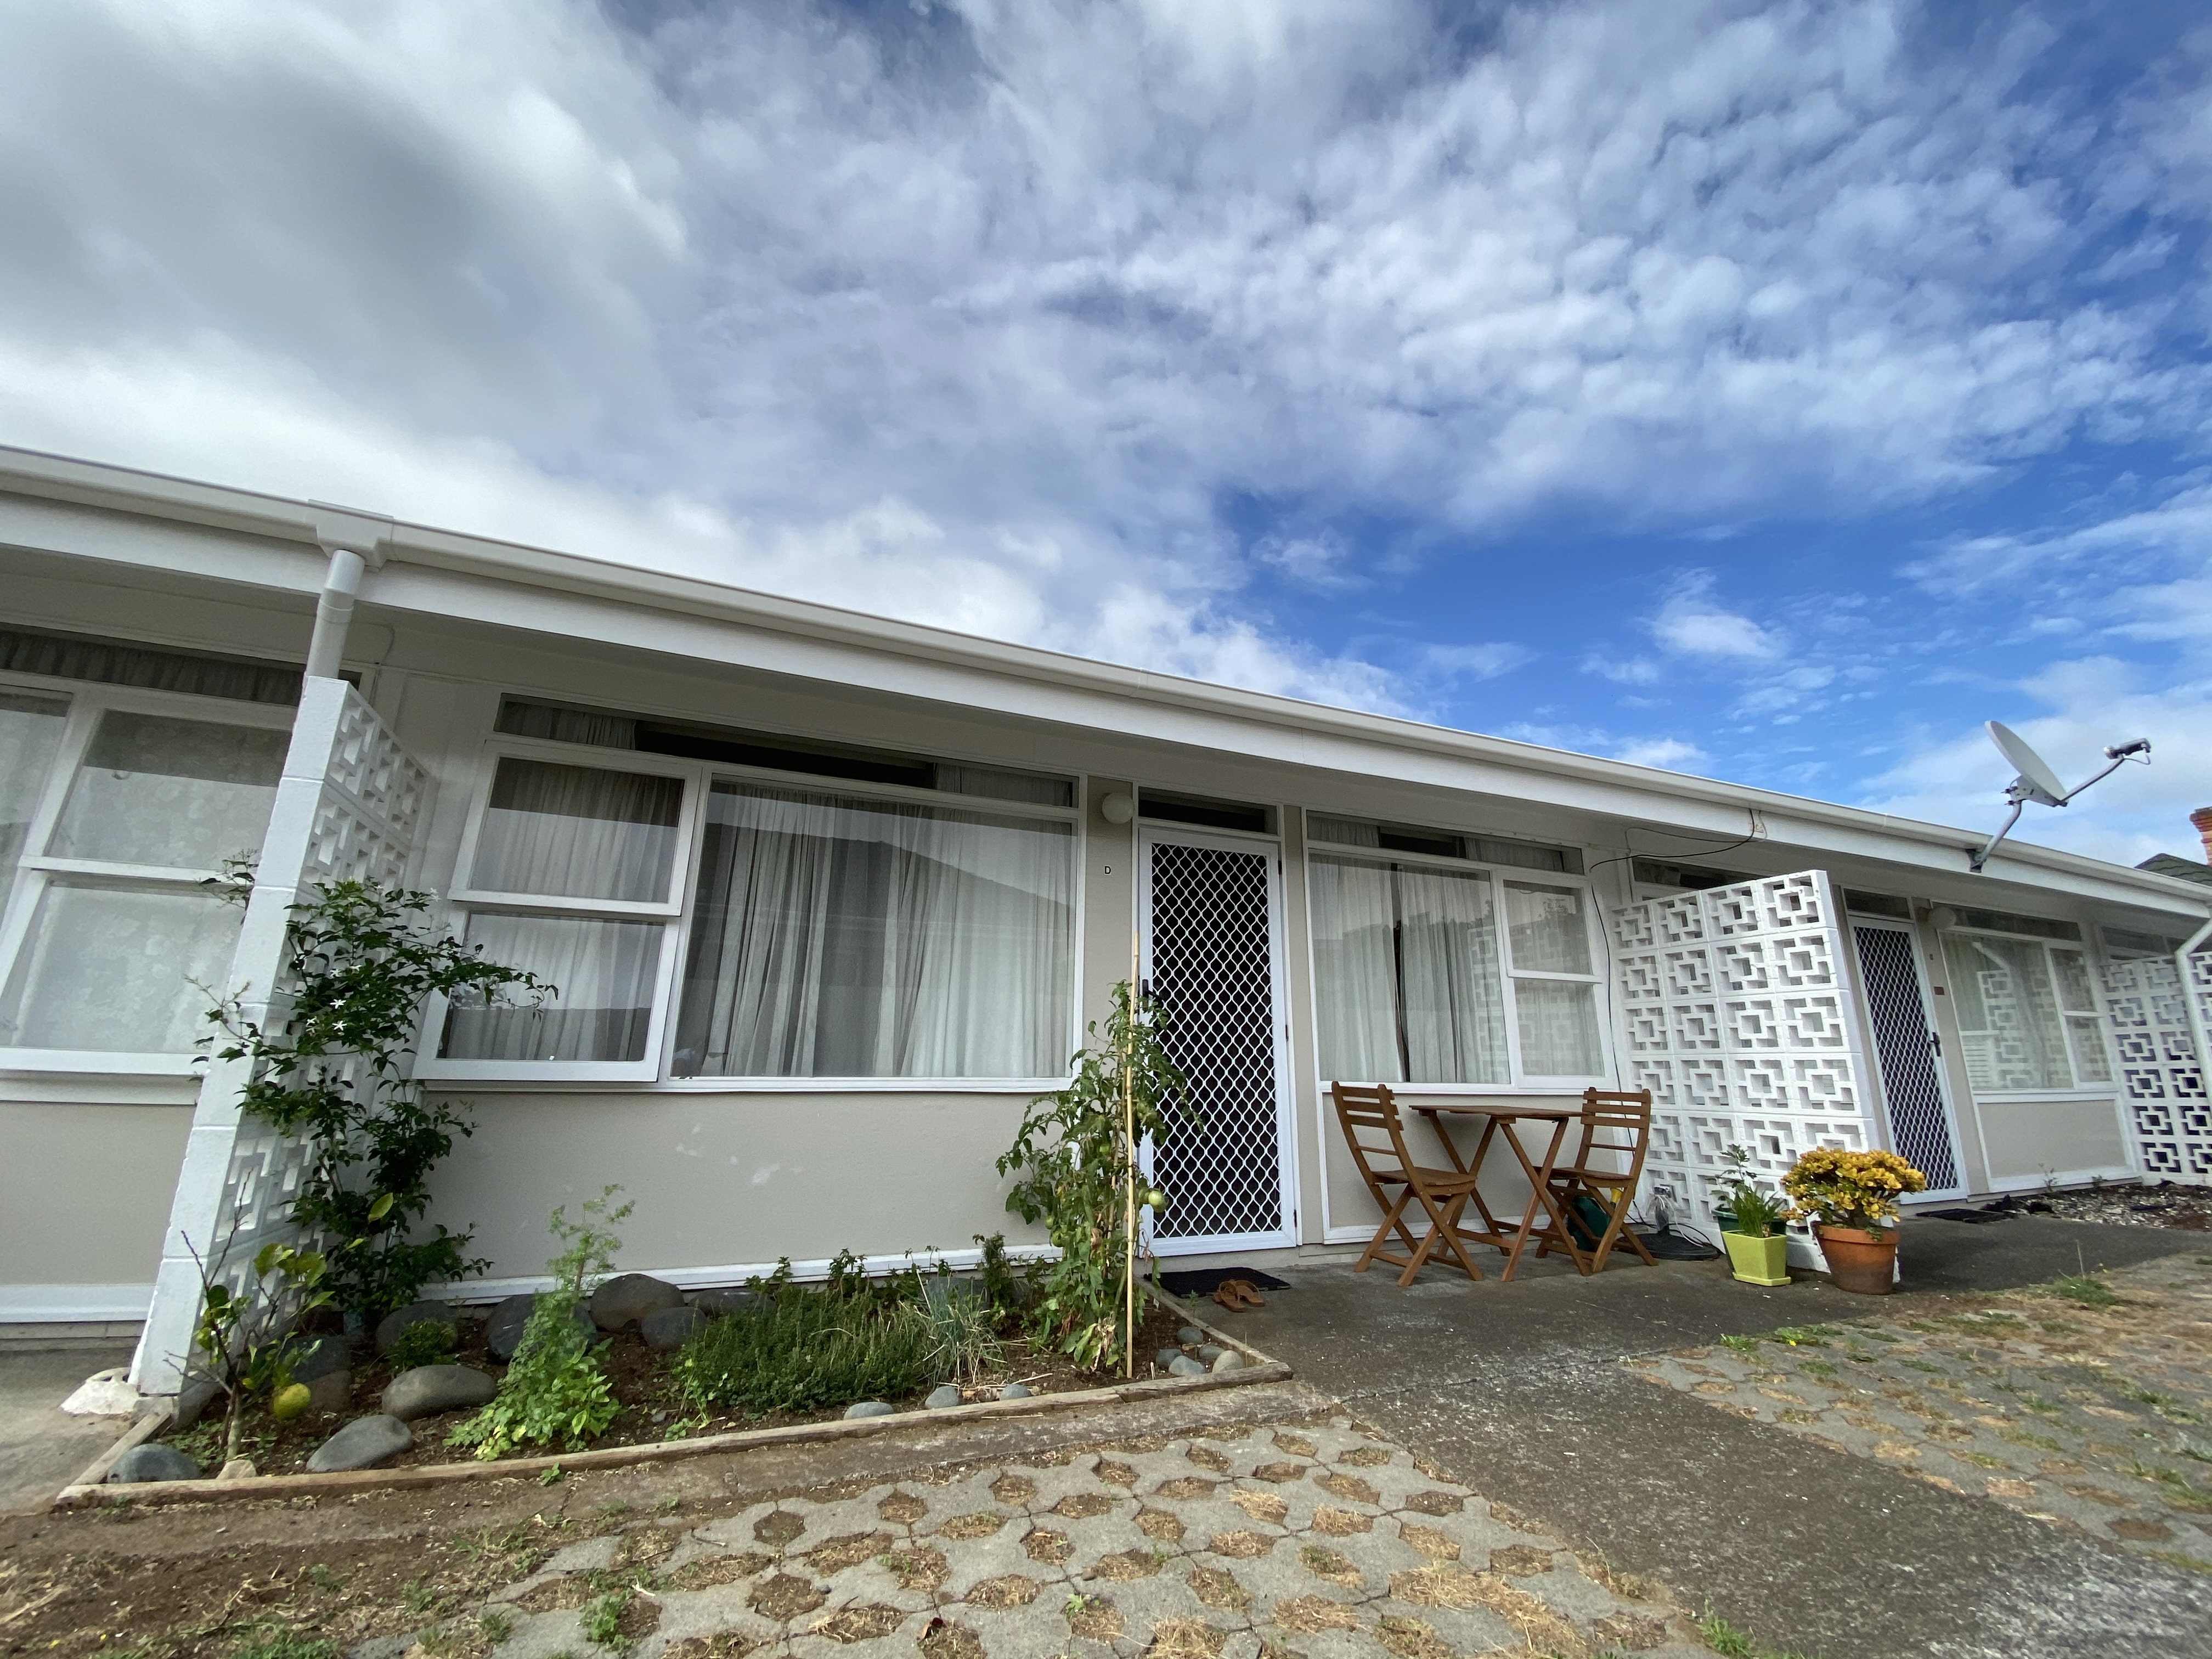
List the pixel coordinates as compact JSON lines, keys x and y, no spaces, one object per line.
{"x":1669,"y":754}
{"x":1692,"y":622}
{"x":1622,"y":671}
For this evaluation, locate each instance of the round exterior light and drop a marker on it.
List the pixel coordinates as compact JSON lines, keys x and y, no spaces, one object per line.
{"x":1116,"y":808}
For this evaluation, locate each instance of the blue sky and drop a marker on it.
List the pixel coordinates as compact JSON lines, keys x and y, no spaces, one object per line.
{"x":1772,"y":392}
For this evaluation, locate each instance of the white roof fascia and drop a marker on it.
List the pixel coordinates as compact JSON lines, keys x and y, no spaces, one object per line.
{"x":448,"y":574}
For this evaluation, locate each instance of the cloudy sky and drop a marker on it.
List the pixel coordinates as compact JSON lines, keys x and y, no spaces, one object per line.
{"x":1771,"y":391}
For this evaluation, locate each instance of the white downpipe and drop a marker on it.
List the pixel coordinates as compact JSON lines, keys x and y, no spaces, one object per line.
{"x":2192,"y":1004}
{"x":334,"y":612}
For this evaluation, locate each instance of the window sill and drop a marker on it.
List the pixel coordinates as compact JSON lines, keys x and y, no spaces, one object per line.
{"x":69,"y":1062}
{"x":1028,"y":1087}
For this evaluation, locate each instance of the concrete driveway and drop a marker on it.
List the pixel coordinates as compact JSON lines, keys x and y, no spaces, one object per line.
{"x":42,"y":1448}
{"x":1519,"y":1391}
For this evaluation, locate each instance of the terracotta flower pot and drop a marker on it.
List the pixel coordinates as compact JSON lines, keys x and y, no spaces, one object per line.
{"x":1860,"y":1261}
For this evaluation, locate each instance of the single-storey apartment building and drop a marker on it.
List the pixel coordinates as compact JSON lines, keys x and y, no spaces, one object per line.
{"x":828,"y":898}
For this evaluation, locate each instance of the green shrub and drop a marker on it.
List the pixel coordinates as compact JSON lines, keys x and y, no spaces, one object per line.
{"x":554,"y":1391}
{"x":964,"y":1329}
{"x":809,"y":1349}
{"x":430,"y":1343}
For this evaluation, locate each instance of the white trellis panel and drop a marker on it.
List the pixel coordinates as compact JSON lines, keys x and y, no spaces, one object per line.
{"x":2161,"y":1076}
{"x":1738,"y":1011}
{"x":348,"y":805}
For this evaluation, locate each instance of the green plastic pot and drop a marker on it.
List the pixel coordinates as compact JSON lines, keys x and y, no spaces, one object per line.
{"x":1757,"y":1259}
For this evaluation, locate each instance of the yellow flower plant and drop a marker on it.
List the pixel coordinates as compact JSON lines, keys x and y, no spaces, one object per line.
{"x":1850,"y":1189}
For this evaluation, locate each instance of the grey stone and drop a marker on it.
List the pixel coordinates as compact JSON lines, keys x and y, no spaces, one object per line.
{"x":1210,"y":1351}
{"x":1190,"y":1335}
{"x":1166,"y":1357}
{"x":320,"y":1358}
{"x":415,"y":1313}
{"x":330,"y":1392}
{"x":628,"y":1297}
{"x":869,"y":1409}
{"x":715,"y":1303}
{"x":1184,"y":1365}
{"x":669,"y":1327}
{"x":362,"y":1444}
{"x":428,"y":1389}
{"x":238,"y":1468}
{"x":943,"y":1398}
{"x":503,"y":1328}
{"x":193,"y":1400}
{"x":1014,"y":1391}
{"x":1228,"y":1360}
{"x":153,"y":1462}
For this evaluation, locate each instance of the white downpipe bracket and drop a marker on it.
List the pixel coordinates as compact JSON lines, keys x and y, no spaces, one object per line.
{"x":356,"y":543}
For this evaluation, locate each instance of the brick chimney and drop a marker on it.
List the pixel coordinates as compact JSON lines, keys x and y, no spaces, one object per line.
{"x":2201,"y":821}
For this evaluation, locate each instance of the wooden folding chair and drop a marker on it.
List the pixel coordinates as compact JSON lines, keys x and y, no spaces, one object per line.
{"x":1368,"y":1113}
{"x":1616,"y":1130}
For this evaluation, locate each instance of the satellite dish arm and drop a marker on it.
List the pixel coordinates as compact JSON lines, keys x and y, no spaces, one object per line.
{"x":1976,"y":860}
{"x":2119,"y":753}
{"x":2021,"y":792}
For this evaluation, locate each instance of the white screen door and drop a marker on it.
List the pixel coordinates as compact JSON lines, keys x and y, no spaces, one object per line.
{"x":1212,"y":909}
{"x":1920,"y":1122}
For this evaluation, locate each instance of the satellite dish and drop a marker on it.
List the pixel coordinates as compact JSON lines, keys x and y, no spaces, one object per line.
{"x":2037,"y":781}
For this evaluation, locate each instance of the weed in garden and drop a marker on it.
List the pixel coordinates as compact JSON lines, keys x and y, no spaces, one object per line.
{"x":603,"y":1619}
{"x":2087,"y":1289}
{"x":552,"y":1476}
{"x":1807,"y":1336}
{"x":493,"y":1625}
{"x":2022,"y":1438}
{"x":429,"y":1343}
{"x":1921,"y":1366}
{"x":668,"y":1506}
{"x":1818,"y":1368}
{"x":419,"y":1595}
{"x":322,"y":1577}
{"x":272,"y":1644}
{"x":808,"y":1349}
{"x":1741,"y":1344}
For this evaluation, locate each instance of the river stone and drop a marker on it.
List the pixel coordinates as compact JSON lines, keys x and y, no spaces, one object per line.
{"x":1014,"y":1391}
{"x":152,"y":1461}
{"x":869,"y":1409}
{"x":193,"y":1398}
{"x":1167,"y":1357}
{"x":238,"y":1468}
{"x":1190,"y":1335}
{"x":1210,"y":1351}
{"x":1184,"y":1365}
{"x":1228,"y":1360}
{"x":330,"y":1392}
{"x":428,"y":1389}
{"x":715,"y":1303}
{"x":415,"y":1313}
{"x":503,"y":1329}
{"x":944,"y":1398}
{"x":362,"y":1444}
{"x":669,"y":1327}
{"x":320,"y":1358}
{"x":628,"y":1297}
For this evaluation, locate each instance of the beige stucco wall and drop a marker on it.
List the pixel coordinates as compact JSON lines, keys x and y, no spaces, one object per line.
{"x":2027,"y":1140}
{"x":730,"y":1179}
{"x":85,"y":1189}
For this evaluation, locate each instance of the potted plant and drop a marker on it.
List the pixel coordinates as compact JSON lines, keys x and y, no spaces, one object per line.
{"x":1850,"y":1198}
{"x":1751,"y":1225}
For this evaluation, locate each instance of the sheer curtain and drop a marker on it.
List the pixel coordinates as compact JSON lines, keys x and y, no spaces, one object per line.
{"x":836,"y":937}
{"x":1455,"y":1010}
{"x":185,"y":793}
{"x":2007,"y":1013}
{"x":1355,"y":971}
{"x":578,"y":832}
{"x":601,"y":1007}
{"x":30,"y":733}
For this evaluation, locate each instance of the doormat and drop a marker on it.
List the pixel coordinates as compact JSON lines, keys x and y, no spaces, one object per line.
{"x":1973,"y":1218}
{"x":1204,"y":1281}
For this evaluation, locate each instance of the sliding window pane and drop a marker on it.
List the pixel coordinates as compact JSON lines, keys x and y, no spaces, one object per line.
{"x":599,"y":1007}
{"x":112,"y":969}
{"x":184,"y":793}
{"x":1558,"y":1028}
{"x":839,"y":937}
{"x":30,"y":732}
{"x":1546,"y":928}
{"x":578,"y":832}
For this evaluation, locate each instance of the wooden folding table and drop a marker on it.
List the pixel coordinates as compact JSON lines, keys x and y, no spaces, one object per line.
{"x":1560,"y":1115}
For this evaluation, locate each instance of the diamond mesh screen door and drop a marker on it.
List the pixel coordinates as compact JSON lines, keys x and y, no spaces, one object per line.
{"x":1912,"y":1081}
{"x":1209,"y":905}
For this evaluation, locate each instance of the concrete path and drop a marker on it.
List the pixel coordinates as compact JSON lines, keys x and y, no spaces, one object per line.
{"x":1518,"y":1391}
{"x":42,"y":1449}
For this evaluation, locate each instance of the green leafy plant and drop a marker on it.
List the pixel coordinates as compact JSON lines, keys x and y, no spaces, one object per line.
{"x":1074,"y":1161}
{"x":429,"y":1343}
{"x":360,"y":962}
{"x":555,"y":1391}
{"x":964,"y":1328}
{"x":272,"y":1642}
{"x":1748,"y":1209}
{"x":245,"y":1340}
{"x":2087,"y":1289}
{"x":809,"y":1348}
{"x":602,"y":1618}
{"x":1003,"y":1287}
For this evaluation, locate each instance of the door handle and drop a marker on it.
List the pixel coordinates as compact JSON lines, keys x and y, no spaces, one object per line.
{"x":1935,"y":1043}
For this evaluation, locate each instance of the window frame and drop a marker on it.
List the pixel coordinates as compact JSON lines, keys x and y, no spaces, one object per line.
{"x":1522,"y":1082}
{"x":2092,"y":964}
{"x":656,"y":1069}
{"x":89,"y":702}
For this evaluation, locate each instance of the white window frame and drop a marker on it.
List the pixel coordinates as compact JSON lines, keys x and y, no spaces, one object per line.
{"x":88,"y":701}
{"x":1522,"y":1082}
{"x":657,"y":1068}
{"x":2109,"y":1089}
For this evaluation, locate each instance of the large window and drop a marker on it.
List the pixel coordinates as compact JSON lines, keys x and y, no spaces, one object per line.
{"x":116,"y":810}
{"x":2027,"y":1014}
{"x":1426,"y":972}
{"x":786,"y":930}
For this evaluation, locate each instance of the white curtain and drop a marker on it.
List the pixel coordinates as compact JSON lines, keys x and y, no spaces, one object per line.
{"x":2007,"y":1013}
{"x":184,"y":793}
{"x":578,"y":832}
{"x":107,"y":969}
{"x":1558,"y":1028}
{"x":1454,"y":1011}
{"x":1355,"y":971}
{"x":600,"y":1007}
{"x":836,"y":937}
{"x":30,"y":732}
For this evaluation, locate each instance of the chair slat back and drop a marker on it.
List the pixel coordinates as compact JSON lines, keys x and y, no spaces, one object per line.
{"x":1368,"y":1114}
{"x":1616,"y":1120}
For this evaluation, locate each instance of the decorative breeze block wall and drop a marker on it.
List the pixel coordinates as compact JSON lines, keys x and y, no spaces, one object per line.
{"x":2160,"y":1072}
{"x":1737,"y":1011}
